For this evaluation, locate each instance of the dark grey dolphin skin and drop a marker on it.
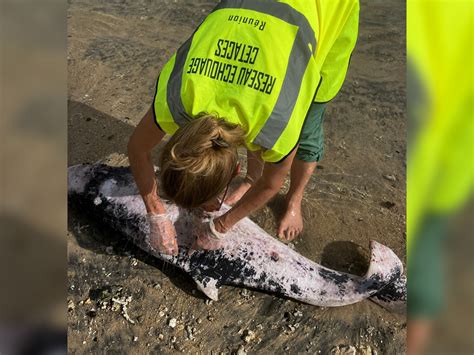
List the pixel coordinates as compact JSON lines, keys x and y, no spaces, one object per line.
{"x":249,"y":257}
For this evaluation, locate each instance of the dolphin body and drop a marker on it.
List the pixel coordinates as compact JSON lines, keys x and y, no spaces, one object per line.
{"x":249,"y":257}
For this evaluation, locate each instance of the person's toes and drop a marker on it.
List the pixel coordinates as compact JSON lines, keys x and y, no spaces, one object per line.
{"x":292,"y":234}
{"x":281,"y":235}
{"x":280,"y":232}
{"x":297,"y":233}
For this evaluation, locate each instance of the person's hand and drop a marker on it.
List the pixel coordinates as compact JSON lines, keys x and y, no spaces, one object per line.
{"x":207,"y":237}
{"x":206,"y":242}
{"x":162,"y":234}
{"x":212,"y":205}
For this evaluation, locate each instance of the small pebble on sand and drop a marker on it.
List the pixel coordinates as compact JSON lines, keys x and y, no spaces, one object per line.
{"x":189,"y":332}
{"x":248,"y":336}
{"x":298,"y":313}
{"x":245,"y":293}
{"x":70,"y":305}
{"x":390,"y":177}
{"x":172,"y":322}
{"x":344,"y":350}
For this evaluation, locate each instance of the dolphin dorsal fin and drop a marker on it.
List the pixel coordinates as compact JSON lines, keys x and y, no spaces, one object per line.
{"x":209,"y":287}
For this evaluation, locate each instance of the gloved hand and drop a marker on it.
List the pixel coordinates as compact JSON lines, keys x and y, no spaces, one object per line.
{"x":207,"y":237}
{"x":162,"y":233}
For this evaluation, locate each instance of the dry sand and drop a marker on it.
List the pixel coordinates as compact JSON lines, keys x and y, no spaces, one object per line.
{"x":116,"y":50}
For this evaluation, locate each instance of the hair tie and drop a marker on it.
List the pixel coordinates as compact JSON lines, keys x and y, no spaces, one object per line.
{"x":219,"y":142}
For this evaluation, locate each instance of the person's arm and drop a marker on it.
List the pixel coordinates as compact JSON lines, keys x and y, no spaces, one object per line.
{"x":255,"y":165}
{"x":145,"y":137}
{"x":260,"y":193}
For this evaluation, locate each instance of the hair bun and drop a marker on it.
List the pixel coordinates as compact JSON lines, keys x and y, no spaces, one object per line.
{"x":219,"y":143}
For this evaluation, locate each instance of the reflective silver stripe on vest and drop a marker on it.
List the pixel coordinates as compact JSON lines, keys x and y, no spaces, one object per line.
{"x":173,"y":91}
{"x":297,"y":64}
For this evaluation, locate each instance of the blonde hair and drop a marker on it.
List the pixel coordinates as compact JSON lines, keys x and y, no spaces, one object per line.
{"x":199,"y":160}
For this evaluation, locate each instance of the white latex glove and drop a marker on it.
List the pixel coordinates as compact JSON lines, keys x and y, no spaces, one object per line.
{"x":207,"y":237}
{"x":162,"y":233}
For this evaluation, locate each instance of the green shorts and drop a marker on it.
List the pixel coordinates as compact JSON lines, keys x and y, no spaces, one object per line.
{"x":311,"y":143}
{"x":425,"y":270}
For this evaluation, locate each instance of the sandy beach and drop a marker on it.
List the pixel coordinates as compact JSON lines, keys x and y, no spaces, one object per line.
{"x":115,"y":52}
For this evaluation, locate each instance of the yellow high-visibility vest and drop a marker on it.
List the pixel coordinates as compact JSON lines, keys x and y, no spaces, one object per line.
{"x":260,"y":64}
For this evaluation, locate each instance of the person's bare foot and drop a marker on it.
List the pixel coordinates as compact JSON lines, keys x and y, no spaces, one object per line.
{"x":291,"y":224}
{"x":236,"y":194}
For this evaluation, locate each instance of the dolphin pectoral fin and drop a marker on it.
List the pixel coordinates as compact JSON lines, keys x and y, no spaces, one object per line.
{"x":209,"y":287}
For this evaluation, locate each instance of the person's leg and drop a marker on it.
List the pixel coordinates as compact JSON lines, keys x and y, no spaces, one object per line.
{"x":291,"y":225}
{"x":418,"y":335}
{"x":254,"y":171}
{"x":310,"y":151}
{"x":425,"y":274}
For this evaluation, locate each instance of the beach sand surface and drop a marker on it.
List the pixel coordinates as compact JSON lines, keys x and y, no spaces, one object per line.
{"x":115,"y":52}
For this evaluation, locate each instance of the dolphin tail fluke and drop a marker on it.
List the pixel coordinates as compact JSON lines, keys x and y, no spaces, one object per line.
{"x":209,"y":287}
{"x":393,"y":297}
{"x":385,"y":267}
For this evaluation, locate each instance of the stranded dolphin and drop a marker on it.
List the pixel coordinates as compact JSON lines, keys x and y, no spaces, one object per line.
{"x":249,"y":257}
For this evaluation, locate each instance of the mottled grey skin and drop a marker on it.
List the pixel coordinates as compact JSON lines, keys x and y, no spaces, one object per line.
{"x":249,"y":257}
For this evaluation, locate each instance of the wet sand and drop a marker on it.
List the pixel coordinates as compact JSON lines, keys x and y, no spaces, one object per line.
{"x":116,"y":50}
